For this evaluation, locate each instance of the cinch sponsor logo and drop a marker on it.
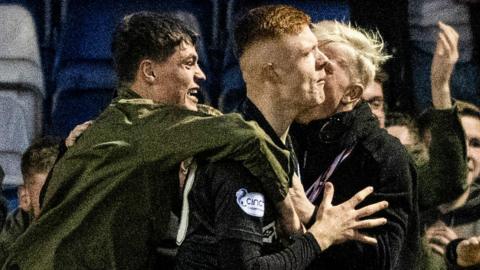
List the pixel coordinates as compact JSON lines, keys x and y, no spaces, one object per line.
{"x":252,"y":203}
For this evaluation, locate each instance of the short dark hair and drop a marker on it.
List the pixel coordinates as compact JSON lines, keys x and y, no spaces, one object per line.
{"x":40,"y":156}
{"x":266,"y":22}
{"x":146,"y":35}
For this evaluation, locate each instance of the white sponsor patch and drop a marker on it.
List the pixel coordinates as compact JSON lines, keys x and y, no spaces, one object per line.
{"x":252,"y":203}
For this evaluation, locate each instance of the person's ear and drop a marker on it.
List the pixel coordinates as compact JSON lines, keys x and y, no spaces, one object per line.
{"x":353,"y":93}
{"x":147,"y":70}
{"x":269,"y":73}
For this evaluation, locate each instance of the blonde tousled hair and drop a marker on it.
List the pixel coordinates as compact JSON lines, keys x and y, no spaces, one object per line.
{"x":367,"y":46}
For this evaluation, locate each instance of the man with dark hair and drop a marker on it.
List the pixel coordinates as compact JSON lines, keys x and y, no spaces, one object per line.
{"x":110,"y":199}
{"x":232,"y":224}
{"x":37,"y":161}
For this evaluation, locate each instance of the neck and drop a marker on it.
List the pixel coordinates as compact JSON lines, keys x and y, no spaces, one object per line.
{"x":278,"y":115}
{"x":141,"y":89}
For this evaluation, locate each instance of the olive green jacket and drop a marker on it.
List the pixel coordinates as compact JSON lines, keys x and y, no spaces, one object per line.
{"x":442,"y":173}
{"x":108,"y":202}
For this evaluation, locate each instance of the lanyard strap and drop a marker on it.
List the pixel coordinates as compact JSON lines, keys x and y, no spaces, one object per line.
{"x":182,"y":230}
{"x":317,"y":187}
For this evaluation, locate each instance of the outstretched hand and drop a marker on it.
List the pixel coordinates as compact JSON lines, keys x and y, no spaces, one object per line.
{"x":468,"y":252}
{"x":444,"y":60}
{"x":340,"y":223}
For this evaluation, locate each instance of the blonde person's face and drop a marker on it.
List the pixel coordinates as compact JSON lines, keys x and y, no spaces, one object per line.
{"x":471,"y":125}
{"x":337,"y":79}
{"x":300,"y":66}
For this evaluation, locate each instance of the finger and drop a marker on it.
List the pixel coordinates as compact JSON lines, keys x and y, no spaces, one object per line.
{"x":441,"y":46}
{"x":450,"y":36}
{"x":440,"y":240}
{"x":450,"y":31}
{"x":371,"y":209}
{"x":328,"y":194}
{"x":370,"y":223}
{"x":474,"y":241}
{"x":448,"y":233}
{"x":364,"y":238}
{"x":437,"y":249}
{"x":360,"y":196}
{"x":443,"y":42}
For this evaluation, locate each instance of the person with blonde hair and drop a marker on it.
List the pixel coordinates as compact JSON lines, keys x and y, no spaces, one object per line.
{"x":344,"y":144}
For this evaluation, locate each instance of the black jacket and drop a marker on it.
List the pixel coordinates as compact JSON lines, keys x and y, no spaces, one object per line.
{"x":377,"y":160}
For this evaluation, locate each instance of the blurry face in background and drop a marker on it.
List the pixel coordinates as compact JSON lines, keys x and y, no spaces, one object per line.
{"x":33,"y":185}
{"x":402,"y":133}
{"x":373,"y":95}
{"x":23,"y":199}
{"x":471,"y":125}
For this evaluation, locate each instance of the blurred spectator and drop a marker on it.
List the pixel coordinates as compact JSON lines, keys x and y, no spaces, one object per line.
{"x":37,"y":161}
{"x":374,"y":96}
{"x":425,"y":19}
{"x":439,"y":152}
{"x":460,"y":218}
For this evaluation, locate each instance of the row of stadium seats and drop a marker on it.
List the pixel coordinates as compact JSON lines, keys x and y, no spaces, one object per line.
{"x":56,"y":68}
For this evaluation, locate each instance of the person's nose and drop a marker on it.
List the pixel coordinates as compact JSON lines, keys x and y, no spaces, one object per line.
{"x":199,"y":75}
{"x":322,"y":60}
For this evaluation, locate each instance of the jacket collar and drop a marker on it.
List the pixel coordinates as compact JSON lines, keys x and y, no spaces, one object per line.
{"x":343,"y":130}
{"x":251,"y":112}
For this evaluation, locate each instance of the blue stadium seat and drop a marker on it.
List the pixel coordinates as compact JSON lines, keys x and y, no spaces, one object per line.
{"x":233,"y":86}
{"x":40,"y":10}
{"x":22,"y":89}
{"x":85,"y":80}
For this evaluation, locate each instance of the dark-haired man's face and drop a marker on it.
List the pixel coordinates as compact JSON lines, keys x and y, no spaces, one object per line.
{"x":178,"y":77}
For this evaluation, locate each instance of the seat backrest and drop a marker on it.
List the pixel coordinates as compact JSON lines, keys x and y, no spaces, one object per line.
{"x":20,"y":62}
{"x":87,"y":26}
{"x":41,"y":11}
{"x":14,"y":139}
